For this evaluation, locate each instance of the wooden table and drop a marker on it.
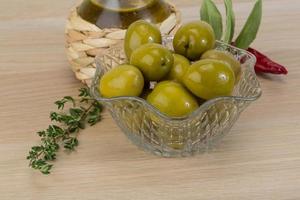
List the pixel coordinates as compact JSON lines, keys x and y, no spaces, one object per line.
{"x":260,"y":159}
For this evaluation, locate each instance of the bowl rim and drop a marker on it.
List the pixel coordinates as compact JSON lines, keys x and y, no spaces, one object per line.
{"x":96,"y":94}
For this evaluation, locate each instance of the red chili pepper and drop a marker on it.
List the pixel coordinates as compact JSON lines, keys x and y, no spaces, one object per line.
{"x":266,"y":65}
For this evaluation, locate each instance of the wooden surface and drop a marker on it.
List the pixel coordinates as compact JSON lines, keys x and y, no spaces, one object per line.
{"x":260,"y":159}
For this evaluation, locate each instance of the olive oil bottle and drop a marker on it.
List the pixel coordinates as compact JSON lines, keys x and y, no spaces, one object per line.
{"x":121,"y":13}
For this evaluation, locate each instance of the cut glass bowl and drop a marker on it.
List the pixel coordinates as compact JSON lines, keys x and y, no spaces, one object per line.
{"x":198,"y":132}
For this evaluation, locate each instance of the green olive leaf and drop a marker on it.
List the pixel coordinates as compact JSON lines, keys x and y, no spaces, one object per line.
{"x":230,"y":22}
{"x":210,"y":13}
{"x":250,"y":29}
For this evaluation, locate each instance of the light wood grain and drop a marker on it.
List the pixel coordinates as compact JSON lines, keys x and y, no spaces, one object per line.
{"x":260,"y":159}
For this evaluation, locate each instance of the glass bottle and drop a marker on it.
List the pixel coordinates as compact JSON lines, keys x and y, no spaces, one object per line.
{"x":121,"y":13}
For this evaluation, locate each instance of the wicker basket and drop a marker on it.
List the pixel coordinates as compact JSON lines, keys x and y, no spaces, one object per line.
{"x":85,"y":40}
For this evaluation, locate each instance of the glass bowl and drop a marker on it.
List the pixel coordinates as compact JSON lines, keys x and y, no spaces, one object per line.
{"x":198,"y":132}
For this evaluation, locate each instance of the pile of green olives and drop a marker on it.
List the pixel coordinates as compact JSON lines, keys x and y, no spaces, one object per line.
{"x":191,"y":73}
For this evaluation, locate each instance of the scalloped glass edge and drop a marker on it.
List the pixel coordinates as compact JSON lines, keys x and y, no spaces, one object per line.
{"x":167,"y":40}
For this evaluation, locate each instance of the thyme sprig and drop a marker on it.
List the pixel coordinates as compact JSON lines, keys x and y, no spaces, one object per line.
{"x":66,"y":124}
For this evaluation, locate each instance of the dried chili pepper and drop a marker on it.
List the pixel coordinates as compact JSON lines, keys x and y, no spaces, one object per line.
{"x":265,"y":64}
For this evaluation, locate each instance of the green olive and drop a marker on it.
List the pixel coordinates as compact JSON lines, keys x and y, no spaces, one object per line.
{"x":179,"y":68}
{"x":139,"y":33}
{"x":224,"y":56}
{"x":193,"y":39}
{"x":124,"y":80}
{"x":154,"y":61}
{"x":172,"y":99}
{"x":210,"y":78}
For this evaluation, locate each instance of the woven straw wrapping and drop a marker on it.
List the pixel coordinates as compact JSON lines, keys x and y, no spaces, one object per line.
{"x":85,"y":40}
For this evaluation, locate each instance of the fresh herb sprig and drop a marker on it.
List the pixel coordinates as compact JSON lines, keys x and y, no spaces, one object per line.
{"x":67,"y":122}
{"x":209,"y":12}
